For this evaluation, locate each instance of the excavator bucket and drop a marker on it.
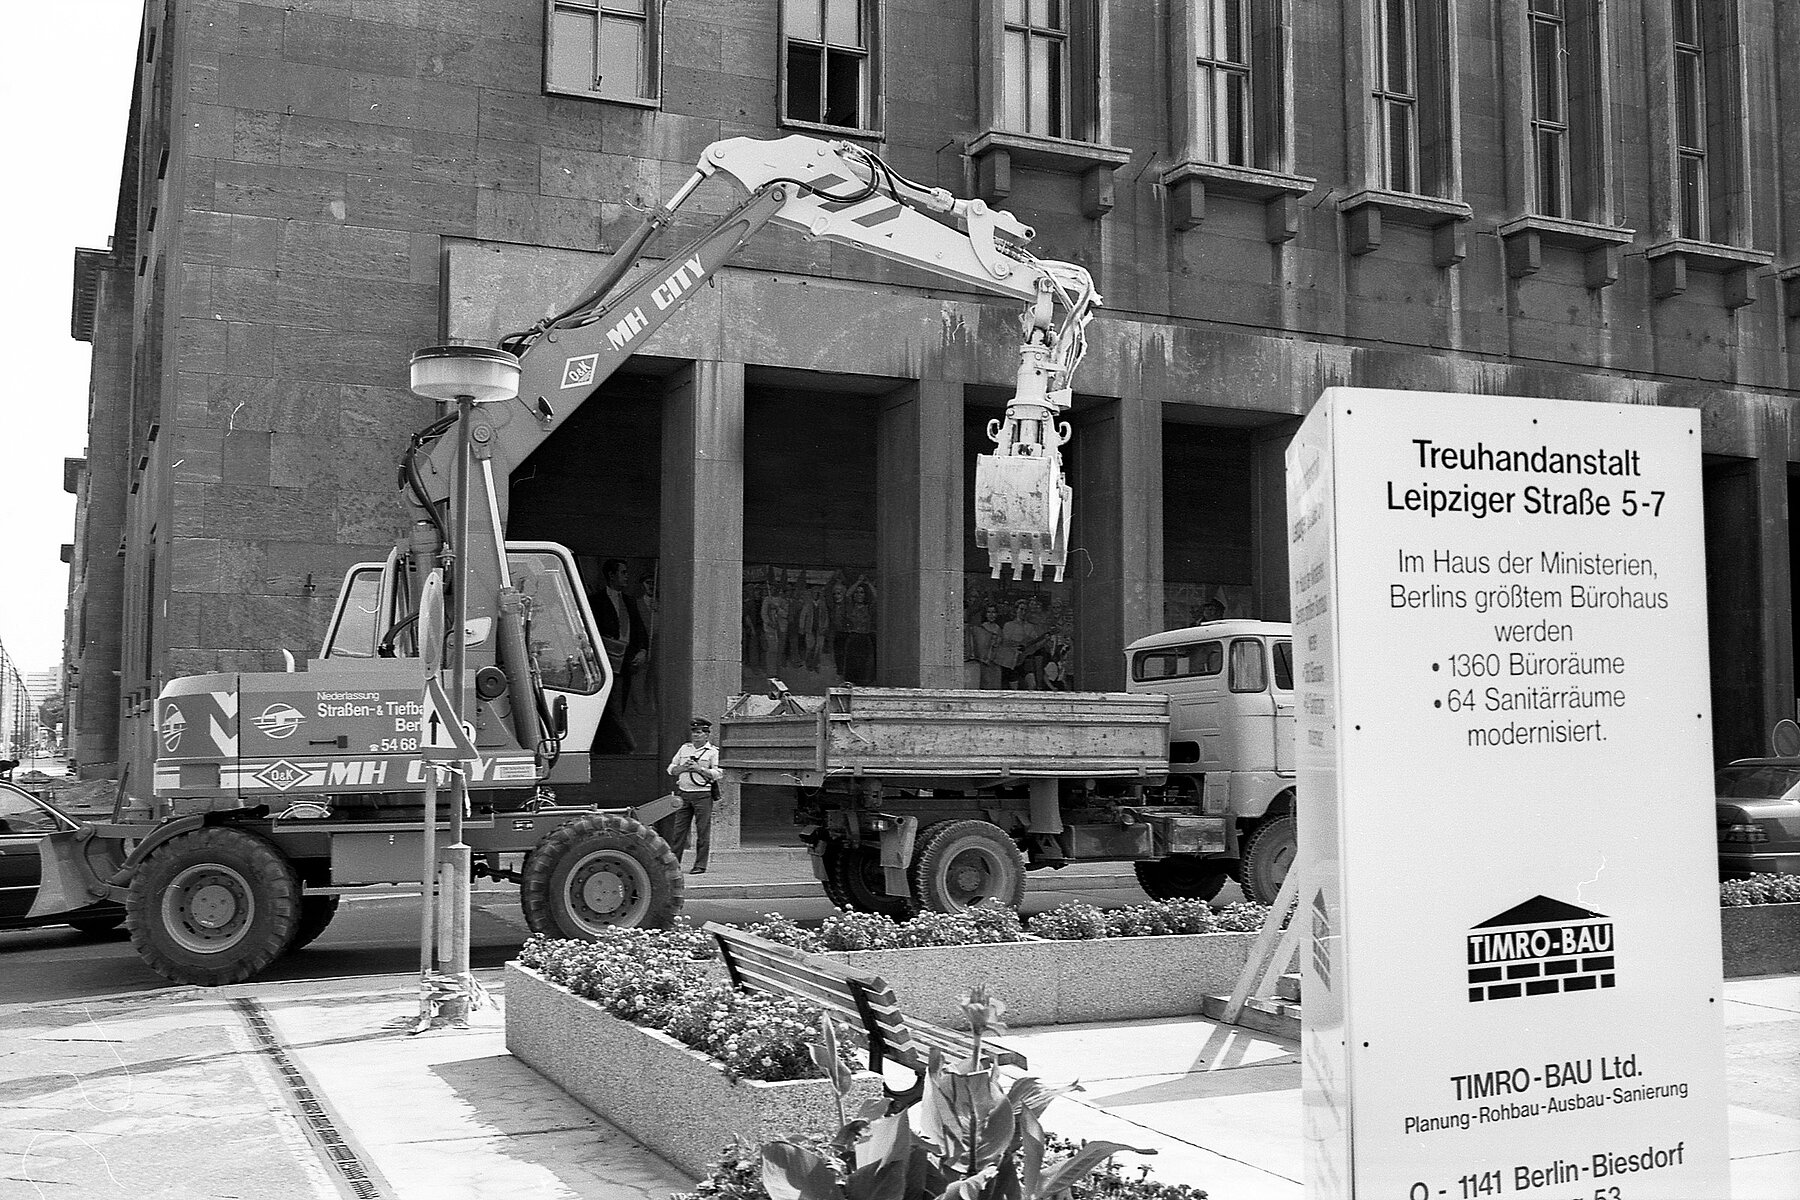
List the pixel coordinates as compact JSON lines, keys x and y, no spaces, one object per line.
{"x":67,"y":880}
{"x":1022,"y":513}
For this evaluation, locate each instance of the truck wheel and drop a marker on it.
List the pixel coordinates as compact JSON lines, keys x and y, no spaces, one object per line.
{"x":212,"y":907}
{"x":1268,"y":854}
{"x":964,"y":863}
{"x":315,"y":914}
{"x":857,"y":877}
{"x":597,"y":872}
{"x":1182,"y":877}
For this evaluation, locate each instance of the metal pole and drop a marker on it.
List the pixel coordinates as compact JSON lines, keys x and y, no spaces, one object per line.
{"x":456,"y":855}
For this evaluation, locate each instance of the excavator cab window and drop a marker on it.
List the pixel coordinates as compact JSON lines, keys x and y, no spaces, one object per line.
{"x":356,"y":624}
{"x":559,"y":635}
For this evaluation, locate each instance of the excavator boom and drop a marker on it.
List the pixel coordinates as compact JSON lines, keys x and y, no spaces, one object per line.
{"x":842,"y":193}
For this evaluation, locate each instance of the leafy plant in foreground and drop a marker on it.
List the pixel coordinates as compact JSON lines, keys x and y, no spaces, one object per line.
{"x":967,"y":1137}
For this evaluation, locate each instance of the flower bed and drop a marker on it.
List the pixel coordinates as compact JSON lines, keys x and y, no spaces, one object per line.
{"x":679,"y":1102}
{"x":1759,"y":925}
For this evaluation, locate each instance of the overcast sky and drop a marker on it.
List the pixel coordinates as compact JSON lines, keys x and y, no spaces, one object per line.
{"x":65,"y":91}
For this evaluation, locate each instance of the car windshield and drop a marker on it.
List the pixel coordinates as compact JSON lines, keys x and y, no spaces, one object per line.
{"x":1760,"y":781}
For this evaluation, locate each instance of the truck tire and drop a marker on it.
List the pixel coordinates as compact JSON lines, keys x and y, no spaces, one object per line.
{"x":1182,"y":877}
{"x":213,"y":906}
{"x":964,"y":863}
{"x":857,"y":882}
{"x":1268,"y":853}
{"x":315,"y":914}
{"x":597,"y":872}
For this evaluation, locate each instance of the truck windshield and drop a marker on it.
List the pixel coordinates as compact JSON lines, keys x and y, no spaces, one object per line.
{"x":566,"y":658}
{"x":353,"y":635}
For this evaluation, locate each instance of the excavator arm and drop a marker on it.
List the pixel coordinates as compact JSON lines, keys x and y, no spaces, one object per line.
{"x":842,"y":193}
{"x":831,"y":190}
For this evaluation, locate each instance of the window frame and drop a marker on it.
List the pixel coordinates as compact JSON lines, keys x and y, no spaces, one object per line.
{"x":1688,"y":65}
{"x":870,"y":89}
{"x":1389,"y":98}
{"x":1059,"y":117}
{"x":647,"y":90}
{"x":1554,"y":192}
{"x":1083,"y":93}
{"x":1214,"y":139}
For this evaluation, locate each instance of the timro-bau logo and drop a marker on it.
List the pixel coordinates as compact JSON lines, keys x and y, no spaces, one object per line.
{"x":1538,"y":948}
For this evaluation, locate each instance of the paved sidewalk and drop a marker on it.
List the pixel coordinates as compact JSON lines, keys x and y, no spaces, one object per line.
{"x":304,"y":1090}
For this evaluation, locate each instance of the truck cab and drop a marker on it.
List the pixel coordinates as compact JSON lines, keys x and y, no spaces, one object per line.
{"x":1231,"y":715}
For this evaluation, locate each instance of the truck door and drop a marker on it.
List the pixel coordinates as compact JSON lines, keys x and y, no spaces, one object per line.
{"x":1252,"y":711}
{"x":1281,"y":654}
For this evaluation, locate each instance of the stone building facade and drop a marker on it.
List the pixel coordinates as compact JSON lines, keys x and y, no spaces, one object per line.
{"x":1586,"y":199}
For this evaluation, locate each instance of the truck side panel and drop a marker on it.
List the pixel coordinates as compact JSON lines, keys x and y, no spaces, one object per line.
{"x":923,"y":733}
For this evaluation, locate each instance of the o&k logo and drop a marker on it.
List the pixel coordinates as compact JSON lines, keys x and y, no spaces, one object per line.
{"x":1540,"y":947}
{"x":173,"y":725}
{"x":282,"y":775}
{"x":279,"y":720}
{"x":578,"y":371}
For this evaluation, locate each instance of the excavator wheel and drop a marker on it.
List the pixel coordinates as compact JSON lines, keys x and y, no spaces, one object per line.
{"x":213,"y":906}
{"x":964,"y":863}
{"x":600,"y":871}
{"x":1268,"y":853}
{"x":1182,"y":877}
{"x":315,"y":914}
{"x":856,"y":881}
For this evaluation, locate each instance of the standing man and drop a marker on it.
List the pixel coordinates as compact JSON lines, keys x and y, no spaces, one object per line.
{"x":696,"y":771}
{"x":627,"y":642}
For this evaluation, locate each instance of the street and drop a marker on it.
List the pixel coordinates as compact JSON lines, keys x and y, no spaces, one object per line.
{"x":379,"y":935}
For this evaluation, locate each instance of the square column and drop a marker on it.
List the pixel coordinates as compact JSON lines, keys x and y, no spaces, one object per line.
{"x":1114,"y":462}
{"x":1269,"y":527}
{"x":702,"y":555}
{"x":919,"y":522}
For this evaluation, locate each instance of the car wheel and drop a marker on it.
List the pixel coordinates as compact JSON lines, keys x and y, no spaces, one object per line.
{"x":599,"y":872}
{"x":857,"y":876}
{"x":1182,"y":877}
{"x":965,"y":863}
{"x":316,"y":913}
{"x":213,"y":906}
{"x":1268,"y":854}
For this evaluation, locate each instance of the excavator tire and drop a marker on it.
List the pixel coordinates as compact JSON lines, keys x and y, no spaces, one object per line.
{"x":855,"y":874}
{"x":1182,"y":877}
{"x":597,"y":872}
{"x":213,"y":906}
{"x":1268,"y":853}
{"x":315,"y":914}
{"x":966,"y":863}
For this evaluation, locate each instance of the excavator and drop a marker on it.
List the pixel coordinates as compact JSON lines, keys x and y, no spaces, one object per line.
{"x":276,"y":793}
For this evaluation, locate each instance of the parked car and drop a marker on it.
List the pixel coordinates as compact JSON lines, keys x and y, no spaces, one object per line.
{"x":25,"y":820}
{"x":1758,"y":809}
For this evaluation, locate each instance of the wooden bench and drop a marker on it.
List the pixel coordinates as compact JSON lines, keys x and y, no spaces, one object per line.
{"x":864,"y":1004}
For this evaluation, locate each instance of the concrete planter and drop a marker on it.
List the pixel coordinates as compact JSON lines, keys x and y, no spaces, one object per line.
{"x":1062,"y":982}
{"x":1760,"y":939}
{"x":673,"y":1099}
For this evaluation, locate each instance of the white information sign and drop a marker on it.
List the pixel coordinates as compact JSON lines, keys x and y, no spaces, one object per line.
{"x":1509,"y":875}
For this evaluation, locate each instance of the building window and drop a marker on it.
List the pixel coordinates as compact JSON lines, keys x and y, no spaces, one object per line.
{"x":1036,"y":95}
{"x":606,"y":49}
{"x":1690,"y":122}
{"x":826,"y":72}
{"x":1550,"y":105}
{"x":1397,"y":97}
{"x":1225,"y":116}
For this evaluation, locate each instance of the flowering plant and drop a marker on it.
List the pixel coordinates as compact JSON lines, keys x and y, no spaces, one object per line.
{"x":1759,"y":889}
{"x":653,"y":978}
{"x":1076,"y":920}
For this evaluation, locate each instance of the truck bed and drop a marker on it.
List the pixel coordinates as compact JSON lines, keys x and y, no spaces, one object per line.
{"x":934,"y":735}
